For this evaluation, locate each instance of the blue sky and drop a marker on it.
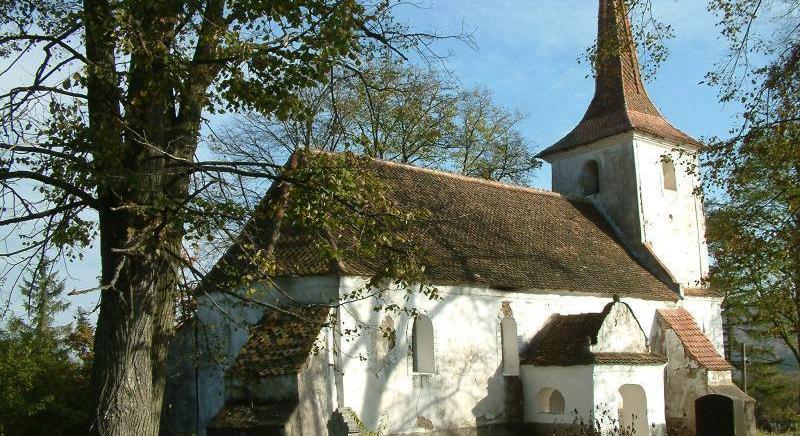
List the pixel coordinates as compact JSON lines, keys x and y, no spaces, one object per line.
{"x":528,"y":51}
{"x":527,"y":54}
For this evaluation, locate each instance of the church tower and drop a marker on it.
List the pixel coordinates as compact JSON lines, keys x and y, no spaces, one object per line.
{"x":634,"y":165}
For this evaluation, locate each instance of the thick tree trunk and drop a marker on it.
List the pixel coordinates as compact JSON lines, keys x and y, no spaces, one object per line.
{"x":141,"y":193}
{"x":136,"y":315}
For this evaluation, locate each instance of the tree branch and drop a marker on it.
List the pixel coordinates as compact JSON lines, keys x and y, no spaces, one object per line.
{"x":43,"y":214}
{"x":61,"y":184}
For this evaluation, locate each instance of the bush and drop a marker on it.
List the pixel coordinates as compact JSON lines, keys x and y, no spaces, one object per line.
{"x":44,"y":386}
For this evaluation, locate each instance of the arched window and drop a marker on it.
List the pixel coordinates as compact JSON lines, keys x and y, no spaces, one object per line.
{"x":508,"y":333}
{"x":590,"y":178}
{"x":550,"y":400}
{"x":668,"y":172}
{"x":422,"y":345}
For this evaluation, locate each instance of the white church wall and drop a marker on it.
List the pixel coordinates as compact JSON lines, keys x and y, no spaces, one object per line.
{"x":467,"y":387}
{"x":645,"y":312}
{"x":315,"y":393}
{"x":673,"y":223}
{"x":617,"y":197}
{"x":608,"y":379}
{"x":573,"y":382}
{"x":670,"y":221}
{"x":719,"y":377}
{"x":685,"y":381}
{"x":223,"y":331}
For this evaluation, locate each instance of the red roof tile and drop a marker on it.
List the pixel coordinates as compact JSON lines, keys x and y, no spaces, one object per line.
{"x":620,"y":102}
{"x":695,"y":342}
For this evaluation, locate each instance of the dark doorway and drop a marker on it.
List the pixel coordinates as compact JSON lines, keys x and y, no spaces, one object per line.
{"x":714,"y":416}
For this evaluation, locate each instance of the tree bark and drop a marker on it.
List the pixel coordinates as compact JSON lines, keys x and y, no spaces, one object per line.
{"x":132,"y":332}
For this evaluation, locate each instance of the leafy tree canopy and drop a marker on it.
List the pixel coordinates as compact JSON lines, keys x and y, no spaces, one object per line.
{"x":45,"y":368}
{"x":753,"y":184}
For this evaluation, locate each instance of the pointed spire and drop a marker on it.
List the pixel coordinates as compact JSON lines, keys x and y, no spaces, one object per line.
{"x":620,"y":102}
{"x":618,"y":82}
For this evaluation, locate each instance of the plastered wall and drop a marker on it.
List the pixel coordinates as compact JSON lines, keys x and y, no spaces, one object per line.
{"x":633,"y":196}
{"x":468,"y":388}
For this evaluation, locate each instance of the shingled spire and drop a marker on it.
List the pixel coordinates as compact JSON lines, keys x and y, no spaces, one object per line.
{"x":620,"y":102}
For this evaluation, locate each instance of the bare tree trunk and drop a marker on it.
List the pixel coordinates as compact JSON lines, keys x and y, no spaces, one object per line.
{"x":136,"y":315}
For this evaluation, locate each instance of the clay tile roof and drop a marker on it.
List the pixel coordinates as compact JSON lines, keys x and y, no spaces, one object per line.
{"x":565,"y":340}
{"x":620,"y":102}
{"x":482,"y":233}
{"x":629,"y":359}
{"x":262,"y":417}
{"x":280,"y":342}
{"x":701,"y":292}
{"x":695,"y":342}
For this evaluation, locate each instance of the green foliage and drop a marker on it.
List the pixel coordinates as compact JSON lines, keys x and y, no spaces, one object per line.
{"x":339,"y":206}
{"x":170,"y":62}
{"x":355,"y":217}
{"x":107,"y":133}
{"x":755,"y":234}
{"x":44,"y":389}
{"x":776,"y":392}
{"x":45,"y":368}
{"x":43,"y":292}
{"x":753,"y":178}
{"x":771,"y":380}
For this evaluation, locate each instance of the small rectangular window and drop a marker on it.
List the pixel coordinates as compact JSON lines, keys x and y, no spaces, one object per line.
{"x":668,"y":172}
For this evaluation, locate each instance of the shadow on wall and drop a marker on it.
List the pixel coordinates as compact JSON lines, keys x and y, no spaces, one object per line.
{"x":507,"y":389}
{"x":436,"y":395}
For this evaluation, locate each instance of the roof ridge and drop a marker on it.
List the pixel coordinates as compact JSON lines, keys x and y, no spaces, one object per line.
{"x":471,"y":179}
{"x":461,"y":176}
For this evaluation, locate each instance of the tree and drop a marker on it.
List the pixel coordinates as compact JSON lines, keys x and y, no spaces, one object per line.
{"x":486,"y":142}
{"x":754,"y":225}
{"x":753,"y":178}
{"x":45,"y":389}
{"x":101,"y":144}
{"x":392,"y":111}
{"x":755,"y":235}
{"x":43,"y":291}
{"x":45,"y":368}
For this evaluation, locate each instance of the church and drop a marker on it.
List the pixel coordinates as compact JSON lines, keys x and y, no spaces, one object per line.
{"x":566,"y":312}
